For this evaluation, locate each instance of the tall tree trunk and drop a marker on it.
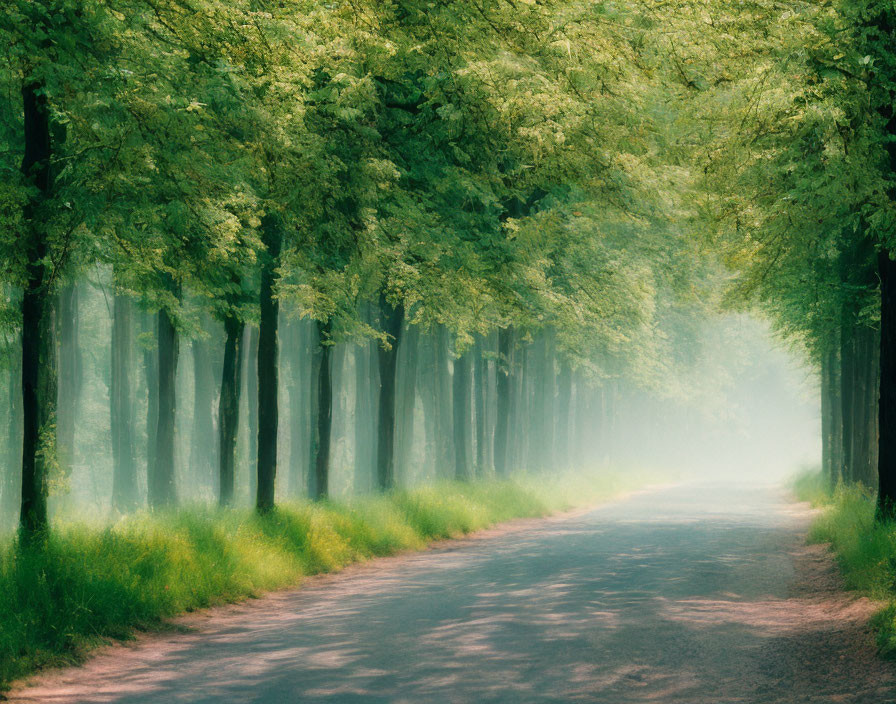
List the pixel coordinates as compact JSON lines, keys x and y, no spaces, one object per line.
{"x":564,"y":412}
{"x":828,"y":359}
{"x":406,"y":393}
{"x":13,"y":448}
{"x":251,"y":373}
{"x":886,"y":468}
{"x":461,"y":417}
{"x":229,"y":408}
{"x":480,"y":388}
{"x":865,"y":427}
{"x":445,"y":415}
{"x":202,"y":455}
{"x":121,"y":410}
{"x":392,"y":320}
{"x":70,"y":375}
{"x":151,"y":377}
{"x":321,"y":484}
{"x":504,"y":385}
{"x":267,"y":365}
{"x":38,"y":343}
{"x":365,"y":416}
{"x":161,"y":484}
{"x":847,"y":397}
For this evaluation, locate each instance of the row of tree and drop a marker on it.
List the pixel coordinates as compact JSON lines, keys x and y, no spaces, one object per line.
{"x":799,"y":192}
{"x":476,"y":183}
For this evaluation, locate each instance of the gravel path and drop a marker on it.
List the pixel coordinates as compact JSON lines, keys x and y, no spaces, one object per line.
{"x":663,"y":597}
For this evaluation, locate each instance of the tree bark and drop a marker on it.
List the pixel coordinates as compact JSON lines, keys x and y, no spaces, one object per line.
{"x":392,"y":320}
{"x":161,"y":483}
{"x":321,"y":485}
{"x":828,"y":359}
{"x":229,"y":408}
{"x":847,"y":397}
{"x":564,"y":413}
{"x":886,"y":468}
{"x":70,"y":375}
{"x":480,"y":387}
{"x":202,"y":455}
{"x":461,"y":417}
{"x":251,"y":374}
{"x":38,"y":343}
{"x":267,"y":365}
{"x":124,"y":459}
{"x":504,"y":385}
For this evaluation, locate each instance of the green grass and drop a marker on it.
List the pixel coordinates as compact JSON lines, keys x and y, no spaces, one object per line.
{"x":89,"y":583}
{"x":865,"y":549}
{"x":810,"y":485}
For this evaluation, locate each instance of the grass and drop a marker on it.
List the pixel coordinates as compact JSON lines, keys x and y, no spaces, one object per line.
{"x":89,"y":583}
{"x":865,"y":549}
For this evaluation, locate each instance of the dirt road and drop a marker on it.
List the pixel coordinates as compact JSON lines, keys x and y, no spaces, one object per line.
{"x":684,"y":595}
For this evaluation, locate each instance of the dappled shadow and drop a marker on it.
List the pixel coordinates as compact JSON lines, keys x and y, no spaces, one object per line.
{"x":660,"y":598}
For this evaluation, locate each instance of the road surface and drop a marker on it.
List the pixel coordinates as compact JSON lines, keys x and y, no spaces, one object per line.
{"x":682,"y":595}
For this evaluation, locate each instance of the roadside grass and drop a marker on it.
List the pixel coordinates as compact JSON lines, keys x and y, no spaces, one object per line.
{"x":88,"y":583}
{"x":865,"y":550}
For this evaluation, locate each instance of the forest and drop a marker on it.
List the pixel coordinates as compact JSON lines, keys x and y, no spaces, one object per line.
{"x":255,"y":253}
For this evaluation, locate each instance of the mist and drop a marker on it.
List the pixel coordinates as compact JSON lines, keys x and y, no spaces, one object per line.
{"x":739,"y":405}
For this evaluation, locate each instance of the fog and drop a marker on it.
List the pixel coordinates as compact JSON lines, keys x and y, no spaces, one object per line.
{"x":736,"y":404}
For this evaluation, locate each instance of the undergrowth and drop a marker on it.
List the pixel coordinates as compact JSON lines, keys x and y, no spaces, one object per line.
{"x":88,"y":583}
{"x":865,"y":549}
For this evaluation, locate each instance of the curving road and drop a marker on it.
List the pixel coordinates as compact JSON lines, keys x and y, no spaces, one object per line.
{"x":683,"y":595}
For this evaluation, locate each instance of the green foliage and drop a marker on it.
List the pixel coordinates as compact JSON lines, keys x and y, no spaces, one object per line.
{"x":88,"y":583}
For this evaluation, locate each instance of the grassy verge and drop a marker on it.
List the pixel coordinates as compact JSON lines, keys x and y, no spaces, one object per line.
{"x":865,"y":550}
{"x":89,"y":583}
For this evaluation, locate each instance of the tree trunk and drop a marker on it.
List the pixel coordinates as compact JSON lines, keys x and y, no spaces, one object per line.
{"x":392,"y":320}
{"x":445,"y":415}
{"x":865,"y":426}
{"x":229,"y":408}
{"x":480,"y":387}
{"x":366,"y":380}
{"x":151,"y":377}
{"x":406,"y":394}
{"x":321,"y":484}
{"x":202,"y":453}
{"x":38,"y":344}
{"x":827,"y":418}
{"x":886,"y":468}
{"x":70,"y":376}
{"x":251,"y":374}
{"x":161,"y":484}
{"x":124,"y":459}
{"x":564,"y":412}
{"x":461,"y":417}
{"x":267,"y":365}
{"x":847,"y":397}
{"x":504,"y":385}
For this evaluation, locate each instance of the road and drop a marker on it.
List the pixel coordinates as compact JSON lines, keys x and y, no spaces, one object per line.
{"x":685,"y":595}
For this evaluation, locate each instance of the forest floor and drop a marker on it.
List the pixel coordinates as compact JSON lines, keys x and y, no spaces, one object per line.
{"x":692,"y":594}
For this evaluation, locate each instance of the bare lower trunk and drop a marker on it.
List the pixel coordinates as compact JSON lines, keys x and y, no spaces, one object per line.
{"x":38,"y":344}
{"x":321,"y":485}
{"x":161,"y":484}
{"x":886,"y":468}
{"x":229,"y":408}
{"x":461,"y":417}
{"x":124,"y":459}
{"x":392,"y":318}
{"x":267,"y":366}
{"x":504,"y":386}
